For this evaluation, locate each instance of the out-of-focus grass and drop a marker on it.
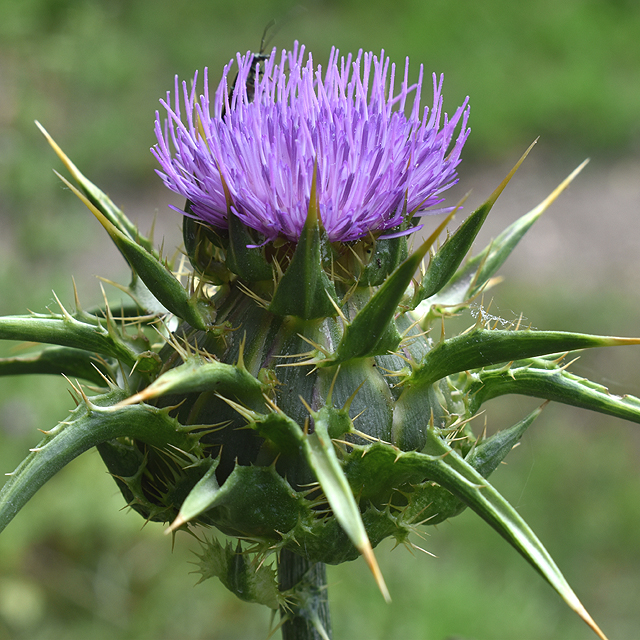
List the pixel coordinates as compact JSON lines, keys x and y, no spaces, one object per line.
{"x":71,"y":565}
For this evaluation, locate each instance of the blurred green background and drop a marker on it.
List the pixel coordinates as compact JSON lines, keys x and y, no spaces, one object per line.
{"x":73,"y":566}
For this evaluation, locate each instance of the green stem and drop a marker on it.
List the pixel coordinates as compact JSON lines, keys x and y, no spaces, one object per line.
{"x":307,"y":616}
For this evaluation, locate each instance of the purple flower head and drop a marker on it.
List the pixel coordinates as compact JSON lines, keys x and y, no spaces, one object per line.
{"x":374,"y":163}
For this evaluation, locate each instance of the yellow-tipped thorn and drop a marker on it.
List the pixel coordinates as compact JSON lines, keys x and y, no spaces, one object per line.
{"x":73,"y":170}
{"x":176,"y":524}
{"x":426,"y":245}
{"x":577,"y":606}
{"x":134,"y":399}
{"x":562,"y":186}
{"x":500,"y":188}
{"x":370,"y":559}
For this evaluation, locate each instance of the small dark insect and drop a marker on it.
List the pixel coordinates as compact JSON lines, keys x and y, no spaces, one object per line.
{"x":197,"y":237}
{"x":255,"y":60}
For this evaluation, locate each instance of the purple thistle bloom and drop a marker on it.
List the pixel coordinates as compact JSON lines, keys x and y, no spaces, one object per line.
{"x":374,"y":164}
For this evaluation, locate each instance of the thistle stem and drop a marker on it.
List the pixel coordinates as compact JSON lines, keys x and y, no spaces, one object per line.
{"x":307,"y":616}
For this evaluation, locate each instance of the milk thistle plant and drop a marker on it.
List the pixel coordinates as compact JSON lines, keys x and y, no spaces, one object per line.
{"x":289,"y":381}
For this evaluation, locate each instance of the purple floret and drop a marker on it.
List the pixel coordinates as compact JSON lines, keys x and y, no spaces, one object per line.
{"x":374,"y":163}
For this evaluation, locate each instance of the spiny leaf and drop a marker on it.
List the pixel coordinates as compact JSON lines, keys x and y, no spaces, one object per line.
{"x":200,"y":498}
{"x":247,"y":262}
{"x":253,"y":501}
{"x":100,"y":200}
{"x":488,"y":454}
{"x":456,"y":475}
{"x":73,"y":363}
{"x":91,"y":423}
{"x":477,"y":271}
{"x":160,"y":281}
{"x":324,"y":462}
{"x":234,"y":569}
{"x":483,"y":347}
{"x":386,"y":255}
{"x":444,"y":466}
{"x":372,"y":332}
{"x":535,"y":378}
{"x":67,"y":331}
{"x":198,"y":375}
{"x":492,"y":258}
{"x":305,"y":291}
{"x":451,"y":254}
{"x":202,"y":246}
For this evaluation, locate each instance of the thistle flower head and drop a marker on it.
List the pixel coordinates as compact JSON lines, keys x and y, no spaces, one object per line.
{"x":296,"y":400}
{"x":378,"y":156}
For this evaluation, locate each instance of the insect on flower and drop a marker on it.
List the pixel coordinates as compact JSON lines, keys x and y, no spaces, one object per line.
{"x":256,"y":59}
{"x":193,"y":233}
{"x":379,"y":155}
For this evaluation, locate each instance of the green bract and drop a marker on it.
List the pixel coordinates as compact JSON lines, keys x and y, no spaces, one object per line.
{"x":293,"y":397}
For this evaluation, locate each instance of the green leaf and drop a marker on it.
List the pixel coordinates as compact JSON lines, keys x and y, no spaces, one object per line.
{"x":133,"y":308}
{"x":387,"y":254}
{"x":248,"y":263}
{"x":324,"y":462}
{"x":91,"y":423}
{"x":280,"y":430}
{"x":488,"y":454}
{"x":242,"y":577}
{"x":160,"y":281}
{"x":448,"y":469}
{"x":141,"y":297}
{"x":67,"y":331}
{"x":536,"y":378}
{"x":492,"y":258}
{"x":451,"y":254}
{"x":203,"y":247}
{"x":456,"y":475}
{"x":372,"y":331}
{"x":197,"y":375}
{"x":201,"y":497}
{"x":374,"y":478}
{"x":73,"y":363}
{"x":253,"y":501}
{"x":483,"y":347}
{"x":477,"y":271}
{"x":100,"y":200}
